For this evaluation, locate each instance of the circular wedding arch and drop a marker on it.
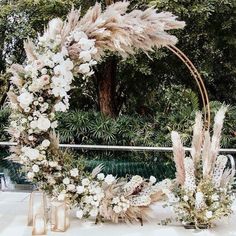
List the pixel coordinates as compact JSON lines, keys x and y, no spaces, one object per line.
{"x":40,"y":88}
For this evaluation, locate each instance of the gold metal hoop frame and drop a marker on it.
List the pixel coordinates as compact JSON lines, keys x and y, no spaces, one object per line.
{"x":201,"y":86}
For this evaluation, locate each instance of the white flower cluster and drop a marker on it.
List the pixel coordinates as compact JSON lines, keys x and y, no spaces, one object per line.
{"x":120,"y":204}
{"x":85,"y":48}
{"x":92,"y":194}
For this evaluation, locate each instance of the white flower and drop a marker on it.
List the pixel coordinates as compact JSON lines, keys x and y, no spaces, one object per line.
{"x":25,"y":99}
{"x":58,"y":58}
{"x":208,"y":214}
{"x":215,"y":197}
{"x":84,"y":68}
{"x":152,"y":179}
{"x":185,"y":198}
{"x":79,"y":214}
{"x":44,"y":71}
{"x":80,"y":189}
{"x":117,"y":209}
{"x":85,"y":56}
{"x":60,"y":106}
{"x":93,"y":212}
{"x":115,"y":200}
{"x":30,"y":175}
{"x":33,"y":124}
{"x":31,"y":138}
{"x":53,"y":163}
{"x":66,"y":181}
{"x":100,"y":176}
{"x":109,"y":179}
{"x":86,"y":44}
{"x":46,"y":143}
{"x":61,"y":196}
{"x":54,"y":124}
{"x":43,"y":123}
{"x":85,"y":182}
{"x":35,"y":168}
{"x":78,"y":35}
{"x":71,"y":187}
{"x":199,"y":201}
{"x":74,"y":172}
{"x":31,"y":153}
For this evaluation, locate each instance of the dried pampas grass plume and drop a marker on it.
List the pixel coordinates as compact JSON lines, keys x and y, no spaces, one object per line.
{"x":116,"y":30}
{"x":197,"y":138}
{"x":179,"y":155}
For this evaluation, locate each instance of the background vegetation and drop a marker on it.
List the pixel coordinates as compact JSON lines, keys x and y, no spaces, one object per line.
{"x":149,"y":97}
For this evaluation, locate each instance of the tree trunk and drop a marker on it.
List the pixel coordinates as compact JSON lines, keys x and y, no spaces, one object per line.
{"x":106,"y":82}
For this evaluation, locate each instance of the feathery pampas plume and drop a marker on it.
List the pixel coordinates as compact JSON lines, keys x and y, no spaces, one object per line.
{"x":197,"y":138}
{"x":179,"y":155}
{"x":125,"y":33}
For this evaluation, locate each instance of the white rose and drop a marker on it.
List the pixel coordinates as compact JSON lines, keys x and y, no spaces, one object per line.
{"x":66,"y":181}
{"x":117,"y":209}
{"x":93,"y":212}
{"x":35,"y":168}
{"x":46,"y":143}
{"x":84,"y":68}
{"x":25,"y":99}
{"x":152,"y":179}
{"x":109,"y":179}
{"x":43,"y":123}
{"x":85,"y":182}
{"x":209,"y":214}
{"x":74,"y":172}
{"x":85,"y":56}
{"x":100,"y":176}
{"x":30,"y":175}
{"x":79,"y":214}
{"x":80,"y":189}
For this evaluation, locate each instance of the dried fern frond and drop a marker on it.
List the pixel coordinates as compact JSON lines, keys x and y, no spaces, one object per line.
{"x":179,"y":155}
{"x":197,"y":138}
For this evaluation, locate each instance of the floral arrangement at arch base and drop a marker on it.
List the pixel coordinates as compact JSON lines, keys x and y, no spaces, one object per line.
{"x":41,"y":87}
{"x":202,"y":192}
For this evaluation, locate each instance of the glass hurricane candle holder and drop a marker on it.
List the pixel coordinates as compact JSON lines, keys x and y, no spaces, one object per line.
{"x":59,"y":216}
{"x":39,"y":225}
{"x":37,"y":205}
